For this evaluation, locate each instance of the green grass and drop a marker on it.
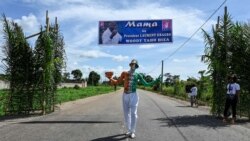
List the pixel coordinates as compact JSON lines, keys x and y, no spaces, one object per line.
{"x":67,"y":94}
{"x":70,"y":94}
{"x":169,"y":91}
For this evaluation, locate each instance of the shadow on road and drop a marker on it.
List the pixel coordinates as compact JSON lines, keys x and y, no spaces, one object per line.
{"x":67,"y":122}
{"x":14,"y":117}
{"x":118,"y":137}
{"x":184,"y":106}
{"x":208,"y":121}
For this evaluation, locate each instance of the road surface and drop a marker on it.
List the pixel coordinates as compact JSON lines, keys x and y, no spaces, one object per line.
{"x":100,"y":118}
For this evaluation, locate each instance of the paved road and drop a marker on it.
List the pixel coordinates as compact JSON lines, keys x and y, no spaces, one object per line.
{"x":100,"y":118}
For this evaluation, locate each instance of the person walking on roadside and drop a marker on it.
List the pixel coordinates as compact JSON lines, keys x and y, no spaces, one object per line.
{"x":232,"y":96}
{"x":193,"y":94}
{"x":130,"y":97}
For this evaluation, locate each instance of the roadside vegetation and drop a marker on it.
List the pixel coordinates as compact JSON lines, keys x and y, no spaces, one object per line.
{"x":66,"y":94}
{"x":2,"y":101}
{"x":227,"y":52}
{"x":70,"y":94}
{"x":34,"y":73}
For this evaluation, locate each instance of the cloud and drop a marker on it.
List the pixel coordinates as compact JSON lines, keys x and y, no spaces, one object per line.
{"x":29,"y":24}
{"x":29,"y":1}
{"x":120,"y":58}
{"x":179,"y":60}
{"x":94,"y":54}
{"x":78,"y":22}
{"x":185,"y":21}
{"x":100,"y":54}
{"x":86,"y":69}
{"x":82,"y":36}
{"x":84,"y":18}
{"x":189,"y":65}
{"x":147,"y":46}
{"x":53,"y":2}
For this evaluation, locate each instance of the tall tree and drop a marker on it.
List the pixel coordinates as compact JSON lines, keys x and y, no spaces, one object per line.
{"x":176,"y":79}
{"x":59,"y":52}
{"x":77,"y":74}
{"x":18,"y":68}
{"x":169,"y":80}
{"x":93,"y":78}
{"x":32,"y":73}
{"x":226,"y":53}
{"x":45,"y":70}
{"x":201,"y":85}
{"x":149,"y":78}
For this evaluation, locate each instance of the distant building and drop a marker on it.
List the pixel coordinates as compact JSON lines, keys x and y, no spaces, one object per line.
{"x":82,"y":84}
{"x":6,"y":84}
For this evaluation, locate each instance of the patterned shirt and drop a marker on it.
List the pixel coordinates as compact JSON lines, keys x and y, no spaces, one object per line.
{"x":130,"y":80}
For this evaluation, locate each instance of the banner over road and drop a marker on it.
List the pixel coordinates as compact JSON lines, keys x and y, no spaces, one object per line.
{"x":135,"y":32}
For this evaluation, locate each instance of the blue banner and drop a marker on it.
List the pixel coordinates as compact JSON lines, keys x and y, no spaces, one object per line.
{"x":135,"y":32}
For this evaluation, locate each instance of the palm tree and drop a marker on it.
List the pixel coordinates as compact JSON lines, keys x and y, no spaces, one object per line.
{"x":228,"y":51}
{"x":216,"y":55}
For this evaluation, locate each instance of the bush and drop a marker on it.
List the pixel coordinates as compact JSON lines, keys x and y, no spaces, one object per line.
{"x":2,"y":101}
{"x":76,"y":87}
{"x":168,"y":90}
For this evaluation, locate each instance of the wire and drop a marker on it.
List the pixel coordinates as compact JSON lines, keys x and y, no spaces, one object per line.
{"x":182,"y":45}
{"x":154,"y":68}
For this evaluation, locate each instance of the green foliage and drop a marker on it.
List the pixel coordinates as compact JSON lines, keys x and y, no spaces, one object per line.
{"x":168,"y":90}
{"x":3,"y":98}
{"x":70,"y":94}
{"x":227,"y":52}
{"x":76,"y":87}
{"x":66,"y":76}
{"x":149,"y":78}
{"x":143,"y":76}
{"x":18,"y":68}
{"x":45,"y":70}
{"x":59,"y":53}
{"x":93,"y":78}
{"x":77,"y":74}
{"x":3,"y":77}
{"x":49,"y":56}
{"x":33,"y":75}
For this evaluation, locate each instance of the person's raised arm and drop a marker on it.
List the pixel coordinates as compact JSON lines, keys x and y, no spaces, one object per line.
{"x":113,"y":81}
{"x":148,"y":83}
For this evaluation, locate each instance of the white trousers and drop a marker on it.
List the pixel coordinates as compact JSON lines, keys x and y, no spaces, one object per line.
{"x":130,"y":104}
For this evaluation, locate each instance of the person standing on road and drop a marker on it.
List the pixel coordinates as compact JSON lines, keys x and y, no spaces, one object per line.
{"x":233,"y":91}
{"x":193,"y":95}
{"x":130,"y":97}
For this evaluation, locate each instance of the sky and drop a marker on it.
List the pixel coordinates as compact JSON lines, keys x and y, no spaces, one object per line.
{"x":78,"y":21}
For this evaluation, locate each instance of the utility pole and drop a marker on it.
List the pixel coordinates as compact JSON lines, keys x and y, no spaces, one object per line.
{"x":162,"y":75}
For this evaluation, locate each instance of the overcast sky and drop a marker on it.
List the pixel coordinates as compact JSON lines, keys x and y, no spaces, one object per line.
{"x":78,"y":20}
